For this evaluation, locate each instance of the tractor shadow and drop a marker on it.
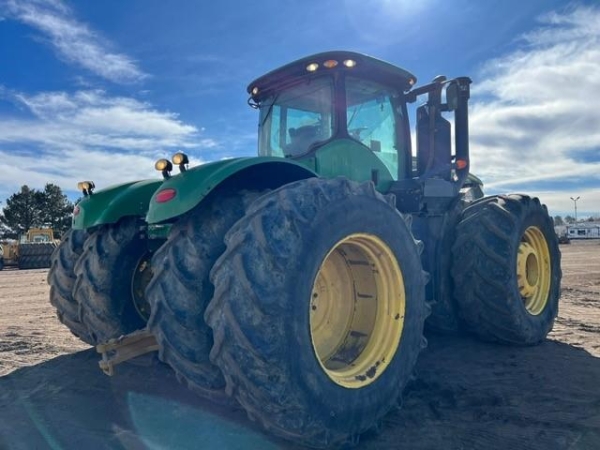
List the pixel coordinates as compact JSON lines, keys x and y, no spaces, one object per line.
{"x":467,"y":395}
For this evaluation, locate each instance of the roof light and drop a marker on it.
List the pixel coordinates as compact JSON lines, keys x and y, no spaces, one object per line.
{"x":411,"y":81}
{"x":330,"y":63}
{"x":165,"y":195}
{"x":164,"y":166}
{"x":254,"y":90}
{"x":461,"y":164}
{"x":312,"y":67}
{"x":349,"y":63}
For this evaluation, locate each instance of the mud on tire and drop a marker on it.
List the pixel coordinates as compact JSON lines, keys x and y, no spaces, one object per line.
{"x":103,"y":289}
{"x":61,"y":279}
{"x":507,"y":269}
{"x":265,"y":286}
{"x":180,"y":290}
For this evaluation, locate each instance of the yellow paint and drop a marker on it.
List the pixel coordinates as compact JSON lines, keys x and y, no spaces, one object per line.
{"x":357,"y":311}
{"x":534,"y":270}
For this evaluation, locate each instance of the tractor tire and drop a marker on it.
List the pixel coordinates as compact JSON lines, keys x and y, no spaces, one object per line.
{"x":114,"y":257}
{"x":507,"y":269}
{"x":180,"y":291}
{"x":45,"y":261}
{"x":25,"y":249}
{"x":318,"y":310}
{"x":46,"y":257}
{"x":61,"y":279}
{"x":26,"y":262}
{"x":445,"y":317}
{"x":35,"y":261}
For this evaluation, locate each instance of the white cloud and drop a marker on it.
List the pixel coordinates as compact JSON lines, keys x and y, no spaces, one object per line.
{"x":65,"y":168}
{"x":74,"y":41}
{"x":89,"y":135}
{"x":534,"y":118}
{"x":92,"y":118}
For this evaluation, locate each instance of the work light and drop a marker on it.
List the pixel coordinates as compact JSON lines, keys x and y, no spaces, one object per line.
{"x":164,"y":166}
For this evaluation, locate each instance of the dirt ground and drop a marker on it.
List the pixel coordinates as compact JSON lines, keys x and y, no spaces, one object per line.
{"x":467,"y":394}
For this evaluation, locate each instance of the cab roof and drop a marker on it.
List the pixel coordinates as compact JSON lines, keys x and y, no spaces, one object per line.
{"x":360,"y":65}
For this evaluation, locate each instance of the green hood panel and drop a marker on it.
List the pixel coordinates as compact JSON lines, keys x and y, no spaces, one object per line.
{"x":113,"y":203}
{"x":193,"y":185}
{"x":350,"y":159}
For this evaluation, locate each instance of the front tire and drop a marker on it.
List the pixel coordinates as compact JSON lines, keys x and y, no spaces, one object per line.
{"x":318,"y":310}
{"x":114,"y":263}
{"x":507,"y":269}
{"x":61,"y":279}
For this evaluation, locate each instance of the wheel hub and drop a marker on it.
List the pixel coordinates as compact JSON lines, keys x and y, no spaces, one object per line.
{"x":357,"y":310}
{"x":534,"y":270}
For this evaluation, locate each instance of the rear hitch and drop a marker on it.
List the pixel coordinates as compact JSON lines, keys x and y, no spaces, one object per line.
{"x":124,"y":348}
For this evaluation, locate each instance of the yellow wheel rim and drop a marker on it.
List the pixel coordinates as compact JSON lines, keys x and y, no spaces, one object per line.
{"x":357,"y":310}
{"x":534,"y":270}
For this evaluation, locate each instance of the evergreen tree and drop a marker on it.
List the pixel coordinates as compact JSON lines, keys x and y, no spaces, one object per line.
{"x":30,"y":208}
{"x":22,"y":211}
{"x":56,"y":209}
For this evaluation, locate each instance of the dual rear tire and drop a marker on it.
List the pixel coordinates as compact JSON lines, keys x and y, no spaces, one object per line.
{"x":506,"y":269}
{"x":317,"y":313}
{"x":180,"y":290}
{"x":318,"y":310}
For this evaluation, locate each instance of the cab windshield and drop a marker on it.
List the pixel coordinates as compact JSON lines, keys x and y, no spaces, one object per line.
{"x":370,"y":119}
{"x":295,"y":120}
{"x":292,"y":121}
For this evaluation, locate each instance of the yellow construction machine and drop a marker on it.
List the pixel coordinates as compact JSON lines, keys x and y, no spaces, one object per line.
{"x":32,"y":251}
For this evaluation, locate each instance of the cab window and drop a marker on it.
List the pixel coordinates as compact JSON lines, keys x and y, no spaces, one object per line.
{"x":291,"y":122}
{"x":370,"y":119}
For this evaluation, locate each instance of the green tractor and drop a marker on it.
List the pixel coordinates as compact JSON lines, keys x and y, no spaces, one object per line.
{"x":298,"y":283}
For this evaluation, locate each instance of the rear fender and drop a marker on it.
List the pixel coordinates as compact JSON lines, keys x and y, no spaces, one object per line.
{"x":113,"y":203}
{"x":192,"y":186}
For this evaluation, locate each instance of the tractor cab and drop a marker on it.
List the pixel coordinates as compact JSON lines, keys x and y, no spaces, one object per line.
{"x":308,"y":106}
{"x":345,"y":114}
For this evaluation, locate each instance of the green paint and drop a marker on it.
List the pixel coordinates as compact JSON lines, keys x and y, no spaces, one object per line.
{"x":196,"y":183}
{"x":115,"y":202}
{"x":350,"y":159}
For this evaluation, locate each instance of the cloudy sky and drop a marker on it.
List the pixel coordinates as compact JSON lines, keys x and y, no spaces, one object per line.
{"x":100,"y":90}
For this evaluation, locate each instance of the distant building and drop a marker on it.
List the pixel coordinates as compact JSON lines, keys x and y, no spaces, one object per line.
{"x":583,"y":230}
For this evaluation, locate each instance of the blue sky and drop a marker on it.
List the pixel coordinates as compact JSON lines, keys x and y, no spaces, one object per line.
{"x":100,"y":90}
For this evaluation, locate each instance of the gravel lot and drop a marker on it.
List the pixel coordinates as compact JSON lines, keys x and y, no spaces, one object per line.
{"x":467,"y":394}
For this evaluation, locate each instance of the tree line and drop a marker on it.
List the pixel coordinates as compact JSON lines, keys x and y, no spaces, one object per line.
{"x":32,"y":208}
{"x":558,"y":220}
